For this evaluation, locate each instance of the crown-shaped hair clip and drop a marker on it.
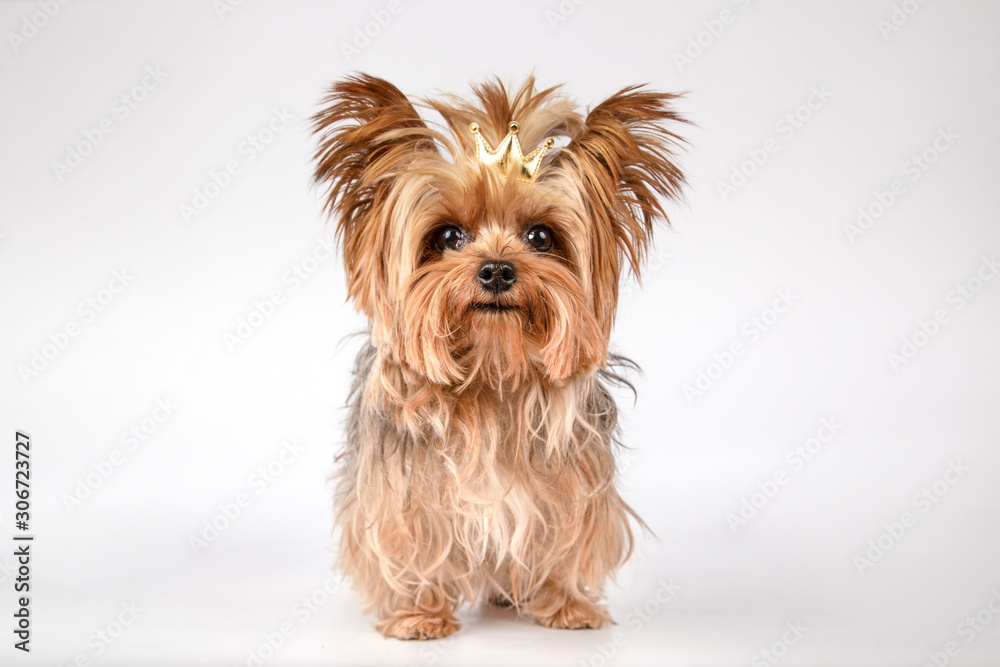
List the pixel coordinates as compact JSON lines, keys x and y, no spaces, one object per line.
{"x":508,"y":153}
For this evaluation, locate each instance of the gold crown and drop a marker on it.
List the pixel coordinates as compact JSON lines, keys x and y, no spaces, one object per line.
{"x":508,"y":153}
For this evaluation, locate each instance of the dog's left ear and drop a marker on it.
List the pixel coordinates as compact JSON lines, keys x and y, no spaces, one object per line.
{"x":368,"y":133}
{"x":625,"y":160}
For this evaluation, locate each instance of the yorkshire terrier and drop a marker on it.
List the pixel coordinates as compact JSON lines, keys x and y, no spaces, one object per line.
{"x":480,"y":441}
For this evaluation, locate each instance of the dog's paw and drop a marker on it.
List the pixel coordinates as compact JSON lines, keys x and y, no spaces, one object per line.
{"x":575,"y":615}
{"x":501,"y":601}
{"x":418,"y":626}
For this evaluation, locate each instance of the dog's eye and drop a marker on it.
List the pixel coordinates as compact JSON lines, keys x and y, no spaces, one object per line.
{"x":539,"y":237}
{"x":449,"y":238}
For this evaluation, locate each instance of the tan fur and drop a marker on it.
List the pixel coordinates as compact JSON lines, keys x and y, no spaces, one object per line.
{"x":479,"y":459}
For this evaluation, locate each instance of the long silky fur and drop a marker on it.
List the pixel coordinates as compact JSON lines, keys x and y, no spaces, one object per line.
{"x":498,"y":500}
{"x":479,"y":460}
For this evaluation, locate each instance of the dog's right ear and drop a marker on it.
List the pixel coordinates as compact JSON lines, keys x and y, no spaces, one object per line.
{"x":368,"y":132}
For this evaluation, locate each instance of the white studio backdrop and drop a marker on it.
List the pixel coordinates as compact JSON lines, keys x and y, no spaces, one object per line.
{"x":814,"y":442}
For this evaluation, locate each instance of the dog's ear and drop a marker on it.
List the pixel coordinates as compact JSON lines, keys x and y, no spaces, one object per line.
{"x":625,"y":160}
{"x":368,"y":132}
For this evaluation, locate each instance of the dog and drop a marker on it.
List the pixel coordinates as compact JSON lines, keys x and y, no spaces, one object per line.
{"x":479,"y":461}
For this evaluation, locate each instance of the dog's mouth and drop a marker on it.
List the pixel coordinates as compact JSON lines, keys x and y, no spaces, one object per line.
{"x":494,"y":307}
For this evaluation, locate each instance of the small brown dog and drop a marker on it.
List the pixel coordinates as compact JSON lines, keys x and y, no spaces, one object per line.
{"x":479,"y":458}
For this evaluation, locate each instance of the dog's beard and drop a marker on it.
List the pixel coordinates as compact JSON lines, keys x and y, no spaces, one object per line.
{"x":456,"y":333}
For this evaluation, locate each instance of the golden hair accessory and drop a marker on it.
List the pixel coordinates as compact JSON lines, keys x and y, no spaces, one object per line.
{"x":508,"y":153}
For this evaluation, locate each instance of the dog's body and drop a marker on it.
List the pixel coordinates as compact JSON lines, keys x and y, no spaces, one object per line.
{"x":479,"y":460}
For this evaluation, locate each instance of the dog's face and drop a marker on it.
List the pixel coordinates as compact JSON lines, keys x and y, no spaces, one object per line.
{"x":472,"y":274}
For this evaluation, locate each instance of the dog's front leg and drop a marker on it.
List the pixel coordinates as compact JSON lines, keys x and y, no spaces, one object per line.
{"x":397,"y":550}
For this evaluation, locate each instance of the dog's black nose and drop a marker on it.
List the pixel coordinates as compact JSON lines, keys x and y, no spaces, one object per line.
{"x":497,"y":276}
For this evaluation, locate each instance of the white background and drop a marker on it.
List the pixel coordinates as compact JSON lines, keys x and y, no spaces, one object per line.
{"x":886,"y":96}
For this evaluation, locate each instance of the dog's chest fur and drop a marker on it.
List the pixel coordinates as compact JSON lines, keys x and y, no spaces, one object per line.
{"x":506,"y":475}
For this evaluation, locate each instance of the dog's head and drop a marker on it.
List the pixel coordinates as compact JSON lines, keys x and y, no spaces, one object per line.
{"x":473,"y":261}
